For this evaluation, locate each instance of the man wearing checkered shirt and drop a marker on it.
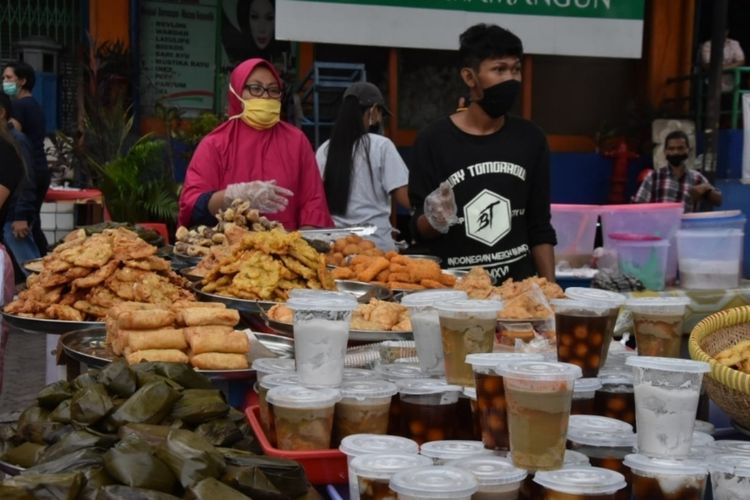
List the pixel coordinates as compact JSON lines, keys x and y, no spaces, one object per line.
{"x":676,"y":182}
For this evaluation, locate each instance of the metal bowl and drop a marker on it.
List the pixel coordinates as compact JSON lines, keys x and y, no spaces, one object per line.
{"x":364,"y":291}
{"x":187,"y":273}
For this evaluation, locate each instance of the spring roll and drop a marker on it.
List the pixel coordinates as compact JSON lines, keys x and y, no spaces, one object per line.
{"x":145,"y":319}
{"x":190,"y":331}
{"x":165,"y":355}
{"x":199,"y":316}
{"x":185,"y":304}
{"x":163,"y":338}
{"x":209,"y":341}
{"x":219,"y":361}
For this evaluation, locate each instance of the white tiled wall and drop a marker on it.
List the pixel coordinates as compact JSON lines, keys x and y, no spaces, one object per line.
{"x":57,"y":219}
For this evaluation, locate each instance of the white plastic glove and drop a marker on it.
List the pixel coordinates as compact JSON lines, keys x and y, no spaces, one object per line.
{"x":440,"y":208}
{"x":264,"y":196}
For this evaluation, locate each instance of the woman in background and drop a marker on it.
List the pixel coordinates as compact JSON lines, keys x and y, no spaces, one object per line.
{"x":362,"y":170}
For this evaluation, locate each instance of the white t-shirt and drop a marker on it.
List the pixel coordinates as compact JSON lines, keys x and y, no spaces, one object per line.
{"x":369,"y":196}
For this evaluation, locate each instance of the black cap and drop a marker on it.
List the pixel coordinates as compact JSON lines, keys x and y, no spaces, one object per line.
{"x":367,"y":94}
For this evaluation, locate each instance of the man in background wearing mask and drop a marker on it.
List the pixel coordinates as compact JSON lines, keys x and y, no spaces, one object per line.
{"x":479,"y":182}
{"x":676,"y":182}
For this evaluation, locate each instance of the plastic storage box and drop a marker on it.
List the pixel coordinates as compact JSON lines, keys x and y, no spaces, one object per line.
{"x":575,"y":226}
{"x":642,"y":256}
{"x":709,"y":259}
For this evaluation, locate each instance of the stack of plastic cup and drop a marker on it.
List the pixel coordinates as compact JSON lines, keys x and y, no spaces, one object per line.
{"x":373,"y":473}
{"x":302,"y":417}
{"x":442,"y":451}
{"x":498,"y":478}
{"x":586,"y":482}
{"x":434,"y":482}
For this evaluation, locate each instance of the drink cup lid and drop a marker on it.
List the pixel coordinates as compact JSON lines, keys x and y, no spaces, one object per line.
{"x":365,"y":389}
{"x":385,"y":465}
{"x":658,"y":305}
{"x":358,"y":374}
{"x":362,"y":444}
{"x":707,"y":427}
{"x":575,"y":459}
{"x":423,"y":386}
{"x":273,"y":365}
{"x":738,"y":464}
{"x":664,"y":466}
{"x":469,"y":306}
{"x":613,"y":299}
{"x":398,"y":371}
{"x":492,"y":359}
{"x":323,"y":301}
{"x":453,"y":449}
{"x":289,"y":396}
{"x":732,"y":446}
{"x":431,"y":297}
{"x":583,"y":385}
{"x":616,"y":378}
{"x":593,"y":430}
{"x":490,"y":470}
{"x":582,"y":481}
{"x":581,"y":306}
{"x":540,"y":370}
{"x":279,"y":379}
{"x":436,"y":481}
{"x":668,"y":364}
{"x":470,"y":392}
{"x":702,"y":440}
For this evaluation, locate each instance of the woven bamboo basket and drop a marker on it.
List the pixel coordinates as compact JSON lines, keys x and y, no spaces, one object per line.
{"x":727,"y":387}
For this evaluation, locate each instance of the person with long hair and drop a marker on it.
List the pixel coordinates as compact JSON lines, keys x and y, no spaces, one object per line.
{"x":362,"y":171}
{"x":254,"y":156}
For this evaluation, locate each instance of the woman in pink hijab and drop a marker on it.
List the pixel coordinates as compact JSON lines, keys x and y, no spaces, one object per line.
{"x":255,"y":157}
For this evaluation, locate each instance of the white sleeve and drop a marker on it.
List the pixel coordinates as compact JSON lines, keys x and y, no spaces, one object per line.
{"x":321,"y":155}
{"x":395,"y":173}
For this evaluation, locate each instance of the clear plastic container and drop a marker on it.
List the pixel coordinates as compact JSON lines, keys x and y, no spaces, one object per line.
{"x":466,"y":327}
{"x":575,"y":226}
{"x":434,"y":482}
{"x":666,"y":398}
{"x":442,"y":451}
{"x":582,"y":327}
{"x":584,"y":482}
{"x":709,"y":259}
{"x":267,"y":383}
{"x":395,"y":372}
{"x":373,"y":473}
{"x":532,"y":491}
{"x":706,"y":427}
{"x":363,"y":409}
{"x":616,"y":399}
{"x":358,"y":374}
{"x":613,"y":300}
{"x":303,"y":417}
{"x":732,"y":447}
{"x":426,"y":326}
{"x":665,"y":478}
{"x":366,"y":444}
{"x":538,"y":396}
{"x":493,"y":420}
{"x":321,"y":332}
{"x":657,"y":322}
{"x":429,"y":409}
{"x":498,"y":478}
{"x":730,"y":476}
{"x":642,"y":257}
{"x":584,"y":393}
{"x":267,"y":366}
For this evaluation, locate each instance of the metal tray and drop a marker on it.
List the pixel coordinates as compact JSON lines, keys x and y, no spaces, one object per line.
{"x":242,"y":305}
{"x":89,"y":347}
{"x":48,"y":326}
{"x":364,"y":291}
{"x":184,"y":259}
{"x":433,"y":258}
{"x":354,"y":335}
{"x":187,"y":272}
{"x":34,"y":265}
{"x":336,"y":233}
{"x":10,"y":469}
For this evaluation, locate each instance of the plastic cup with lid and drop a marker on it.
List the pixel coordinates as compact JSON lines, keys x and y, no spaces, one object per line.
{"x":373,"y":472}
{"x":582,"y":333}
{"x":703,"y":426}
{"x":493,"y":420}
{"x":426,"y":326}
{"x":582,"y":482}
{"x":702,"y":446}
{"x":394,"y":372}
{"x":498,"y":478}
{"x":584,"y":392}
{"x":731,"y":447}
{"x":363,"y":408}
{"x":657,"y":323}
{"x":303,"y":417}
{"x":267,"y":366}
{"x":366,"y":444}
{"x":666,"y":398}
{"x":538,"y":396}
{"x":571,"y":460}
{"x":666,"y":477}
{"x":466,"y":327}
{"x":434,"y":482}
{"x":268,"y":382}
{"x":605,"y":440}
{"x":321,"y":332}
{"x":358,"y":374}
{"x":442,"y":451}
{"x":730,"y":476}
{"x":613,"y":300}
{"x":429,"y":409}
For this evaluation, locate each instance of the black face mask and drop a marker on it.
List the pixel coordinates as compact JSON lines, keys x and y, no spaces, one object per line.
{"x":376,"y":128}
{"x":499,"y":98}
{"x":676,"y":160}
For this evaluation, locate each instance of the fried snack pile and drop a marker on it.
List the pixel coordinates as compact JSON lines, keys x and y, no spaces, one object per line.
{"x":737,"y":356}
{"x":397,"y":272}
{"x":477,"y":283}
{"x":377,"y":315}
{"x":234,"y":223}
{"x":201,"y":334}
{"x":266,"y":265}
{"x":351,"y":245}
{"x":85,"y":276}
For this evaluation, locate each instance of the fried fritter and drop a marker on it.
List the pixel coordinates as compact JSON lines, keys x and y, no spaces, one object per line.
{"x":95,"y":253}
{"x":67,"y":313}
{"x":96,"y":277}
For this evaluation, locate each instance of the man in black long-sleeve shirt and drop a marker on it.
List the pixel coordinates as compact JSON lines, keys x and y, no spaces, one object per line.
{"x":479,"y":182}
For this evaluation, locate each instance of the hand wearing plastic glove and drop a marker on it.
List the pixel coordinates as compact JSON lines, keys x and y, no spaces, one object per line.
{"x":265,"y":196}
{"x":440,"y":208}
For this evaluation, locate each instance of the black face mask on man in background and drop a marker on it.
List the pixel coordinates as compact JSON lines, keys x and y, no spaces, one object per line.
{"x":676,"y":160}
{"x":498,"y":99}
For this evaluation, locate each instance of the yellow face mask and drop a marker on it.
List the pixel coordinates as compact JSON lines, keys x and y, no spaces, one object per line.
{"x":260,"y":114}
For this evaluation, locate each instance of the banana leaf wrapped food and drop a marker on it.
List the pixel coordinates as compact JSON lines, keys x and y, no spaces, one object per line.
{"x":132,"y":462}
{"x":32,"y":424}
{"x":200,"y":405}
{"x":61,"y":413}
{"x":190,"y":457}
{"x":77,"y":440}
{"x":119,"y":492}
{"x":72,"y":462}
{"x":148,"y":405}
{"x":48,"y":486}
{"x":90,"y":377}
{"x":212,"y":489}
{"x":24,"y":455}
{"x":14,"y":493}
{"x":95,"y":478}
{"x":180,"y":373}
{"x":119,"y":379}
{"x":53,"y":394}
{"x":220,"y":432}
{"x":90,"y":404}
{"x":155,"y":435}
{"x":263,"y":477}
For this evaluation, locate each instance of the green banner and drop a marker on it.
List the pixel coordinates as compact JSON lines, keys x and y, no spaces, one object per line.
{"x":602,"y":9}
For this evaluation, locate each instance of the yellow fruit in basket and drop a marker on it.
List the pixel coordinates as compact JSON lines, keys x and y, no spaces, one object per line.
{"x":737,"y":356}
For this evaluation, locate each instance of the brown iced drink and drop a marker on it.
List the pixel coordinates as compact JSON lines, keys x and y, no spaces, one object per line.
{"x":586,"y":483}
{"x":615,"y":399}
{"x":363,"y":409}
{"x":492,"y":411}
{"x":429,"y":410}
{"x":657,"y":335}
{"x":666,"y":479}
{"x":651,"y":488}
{"x":375,"y":489}
{"x":581,"y":332}
{"x":303,"y":417}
